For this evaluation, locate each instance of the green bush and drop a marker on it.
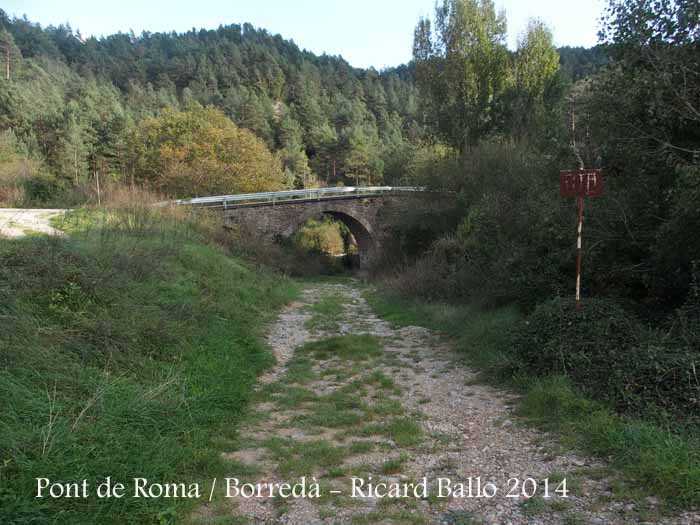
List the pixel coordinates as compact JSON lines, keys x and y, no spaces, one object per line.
{"x":41,"y":189}
{"x":611,"y":355}
{"x":321,"y":235}
{"x":510,"y":239}
{"x":676,"y":249}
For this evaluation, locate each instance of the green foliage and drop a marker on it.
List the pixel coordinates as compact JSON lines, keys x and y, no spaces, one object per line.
{"x":201,"y":152}
{"x":536,"y":63}
{"x":645,"y":130}
{"x":675,"y":251}
{"x":608,"y":353}
{"x":26,"y":181}
{"x":513,"y":238}
{"x":112,"y":365}
{"x":472,"y":88}
{"x":509,"y":241}
{"x":323,"y":235}
{"x":284,"y":256}
{"x":580,"y":62}
{"x":461,"y":69}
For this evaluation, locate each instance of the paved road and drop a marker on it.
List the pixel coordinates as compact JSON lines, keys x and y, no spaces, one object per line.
{"x":17,"y":222}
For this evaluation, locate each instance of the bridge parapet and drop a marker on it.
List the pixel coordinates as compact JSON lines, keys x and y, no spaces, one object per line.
{"x":310,"y":194}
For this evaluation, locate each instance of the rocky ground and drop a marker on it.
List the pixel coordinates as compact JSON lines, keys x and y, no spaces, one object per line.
{"x":353,"y":397}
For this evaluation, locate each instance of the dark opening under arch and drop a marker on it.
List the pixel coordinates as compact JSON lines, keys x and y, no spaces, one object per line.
{"x":363,"y":238}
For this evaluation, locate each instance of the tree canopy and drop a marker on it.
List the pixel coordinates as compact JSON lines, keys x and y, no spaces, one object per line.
{"x":201,"y":152}
{"x":472,"y":87}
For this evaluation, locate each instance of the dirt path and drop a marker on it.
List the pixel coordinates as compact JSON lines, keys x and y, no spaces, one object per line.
{"x":17,"y":222}
{"x":394,"y":404}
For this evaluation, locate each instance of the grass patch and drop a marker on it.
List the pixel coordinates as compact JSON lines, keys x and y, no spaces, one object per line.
{"x":404,"y":431}
{"x":659,"y":462}
{"x":353,"y":347}
{"x":342,"y":408}
{"x":360,"y":447}
{"x":299,"y":370}
{"x":126,"y":349}
{"x":394,"y":465}
{"x":326,"y":314}
{"x":327,"y":416}
{"x":573,"y":518}
{"x":466,"y":324}
{"x":381,"y":379}
{"x":387,"y":407}
{"x":534,"y":506}
{"x":378,"y":516}
{"x":667,"y":465}
{"x":299,"y":458}
{"x":294,"y":397}
{"x":460,"y":517}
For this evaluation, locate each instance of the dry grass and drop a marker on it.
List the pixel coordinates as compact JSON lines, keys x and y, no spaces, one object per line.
{"x":135,"y":210}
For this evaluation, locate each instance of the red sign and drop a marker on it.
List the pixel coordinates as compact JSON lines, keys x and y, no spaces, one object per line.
{"x":581,"y":183}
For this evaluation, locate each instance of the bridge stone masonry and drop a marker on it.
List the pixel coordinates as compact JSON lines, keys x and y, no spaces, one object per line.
{"x":366,"y":211}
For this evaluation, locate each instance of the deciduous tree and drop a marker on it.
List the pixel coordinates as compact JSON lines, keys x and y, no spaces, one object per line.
{"x":461,"y":69}
{"x":202,"y":152}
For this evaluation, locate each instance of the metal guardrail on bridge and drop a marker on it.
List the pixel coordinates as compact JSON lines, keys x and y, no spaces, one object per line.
{"x":231,"y":201}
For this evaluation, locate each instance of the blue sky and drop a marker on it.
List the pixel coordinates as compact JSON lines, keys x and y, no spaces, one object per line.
{"x":366,"y":33}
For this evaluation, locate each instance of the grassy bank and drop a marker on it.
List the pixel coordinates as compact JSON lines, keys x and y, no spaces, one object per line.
{"x":128,"y":350}
{"x":653,"y":461}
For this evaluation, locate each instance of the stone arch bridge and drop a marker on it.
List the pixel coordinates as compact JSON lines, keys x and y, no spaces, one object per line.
{"x":364,"y":210}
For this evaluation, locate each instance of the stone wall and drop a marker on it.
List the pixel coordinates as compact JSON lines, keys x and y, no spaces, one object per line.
{"x":364,"y":216}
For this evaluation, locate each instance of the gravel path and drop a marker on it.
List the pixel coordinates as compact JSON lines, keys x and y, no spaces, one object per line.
{"x":17,"y":222}
{"x":464,"y":429}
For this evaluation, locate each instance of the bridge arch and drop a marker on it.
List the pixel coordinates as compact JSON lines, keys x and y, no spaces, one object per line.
{"x":359,"y":227}
{"x":366,"y":212}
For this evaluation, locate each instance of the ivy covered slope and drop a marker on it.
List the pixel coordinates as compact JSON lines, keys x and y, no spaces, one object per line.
{"x":127,"y":351}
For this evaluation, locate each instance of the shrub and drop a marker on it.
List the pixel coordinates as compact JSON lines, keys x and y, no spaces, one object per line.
{"x":22,"y":179}
{"x":676,"y":249}
{"x":611,"y":355}
{"x":511,"y":238}
{"x":202,"y":152}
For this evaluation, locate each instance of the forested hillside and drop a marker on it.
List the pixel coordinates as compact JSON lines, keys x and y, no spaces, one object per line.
{"x":72,"y":103}
{"x":71,"y":108}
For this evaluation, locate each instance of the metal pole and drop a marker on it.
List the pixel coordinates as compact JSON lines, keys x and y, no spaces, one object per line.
{"x":580,"y":251}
